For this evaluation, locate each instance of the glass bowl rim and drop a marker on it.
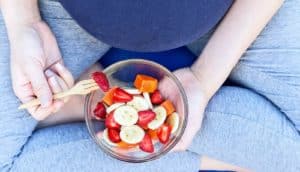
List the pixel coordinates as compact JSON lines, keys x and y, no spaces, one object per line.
{"x":170,"y":145}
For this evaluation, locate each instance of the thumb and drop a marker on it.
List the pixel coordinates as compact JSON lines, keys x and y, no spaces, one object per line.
{"x":39,"y":84}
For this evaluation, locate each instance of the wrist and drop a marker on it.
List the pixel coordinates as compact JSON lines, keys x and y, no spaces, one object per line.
{"x":18,"y":14}
{"x":204,"y":85}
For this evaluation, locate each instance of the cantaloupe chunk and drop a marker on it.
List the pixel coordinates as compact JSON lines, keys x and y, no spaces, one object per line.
{"x":152,"y":134}
{"x":145,"y":83}
{"x":168,"y":105}
{"x":108,"y":97}
{"x":124,"y":145}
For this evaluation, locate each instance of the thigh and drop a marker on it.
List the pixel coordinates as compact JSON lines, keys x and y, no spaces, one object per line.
{"x":15,"y":125}
{"x":79,"y":49}
{"x":271,"y":66}
{"x":69,"y":148}
{"x":243,"y":128}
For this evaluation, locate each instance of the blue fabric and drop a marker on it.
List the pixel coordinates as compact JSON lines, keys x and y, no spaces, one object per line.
{"x":172,"y":59}
{"x":255,"y":128}
{"x":144,"y":25}
{"x":213,"y":171}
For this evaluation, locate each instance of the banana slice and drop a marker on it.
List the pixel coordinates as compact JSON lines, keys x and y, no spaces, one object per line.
{"x":139,"y":103}
{"x":160,"y":118}
{"x":132,"y":134}
{"x":147,"y":98}
{"x":113,"y":107}
{"x":126,"y":115}
{"x":106,"y":138}
{"x":132,"y":91}
{"x":173,"y":120}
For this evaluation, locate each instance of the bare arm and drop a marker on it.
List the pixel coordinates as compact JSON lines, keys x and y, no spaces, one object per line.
{"x":19,"y":12}
{"x":239,"y":28}
{"x":242,"y":24}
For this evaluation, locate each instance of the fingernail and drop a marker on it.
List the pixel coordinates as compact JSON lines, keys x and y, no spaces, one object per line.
{"x":49,"y":73}
{"x":53,"y":80}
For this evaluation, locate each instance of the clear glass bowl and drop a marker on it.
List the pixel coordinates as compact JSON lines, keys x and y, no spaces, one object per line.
{"x":122,"y":74}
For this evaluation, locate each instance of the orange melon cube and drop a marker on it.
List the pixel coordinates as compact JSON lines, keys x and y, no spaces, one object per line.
{"x":153,"y":134}
{"x":108,"y":97}
{"x":168,"y":105}
{"x":145,"y":83}
{"x":124,"y":145}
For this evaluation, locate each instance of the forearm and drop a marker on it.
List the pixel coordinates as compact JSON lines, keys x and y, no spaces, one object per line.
{"x":239,"y":28}
{"x":17,"y":13}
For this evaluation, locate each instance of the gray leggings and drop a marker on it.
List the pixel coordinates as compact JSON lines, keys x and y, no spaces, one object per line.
{"x":253,"y":124}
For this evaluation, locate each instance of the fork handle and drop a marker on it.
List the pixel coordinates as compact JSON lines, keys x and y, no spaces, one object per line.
{"x":36,"y":102}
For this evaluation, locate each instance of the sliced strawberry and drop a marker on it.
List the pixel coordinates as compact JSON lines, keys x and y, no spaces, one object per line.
{"x":146,"y":144}
{"x":102,"y":81}
{"x":156,"y":98}
{"x":145,"y":127}
{"x":163,"y":133}
{"x":110,"y":121}
{"x":100,"y":111}
{"x":121,"y":96}
{"x":145,"y":117}
{"x":114,"y":135}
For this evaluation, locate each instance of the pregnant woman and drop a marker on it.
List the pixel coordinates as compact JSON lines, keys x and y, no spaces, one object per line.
{"x":254,"y":124}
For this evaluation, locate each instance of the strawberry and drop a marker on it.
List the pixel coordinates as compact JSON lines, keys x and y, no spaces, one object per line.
{"x":121,"y":96}
{"x":146,"y":144}
{"x":163,"y":133}
{"x":114,"y":135}
{"x":145,"y":117}
{"x":156,"y":97}
{"x":100,"y":111}
{"x":102,"y":81}
{"x":110,"y":121}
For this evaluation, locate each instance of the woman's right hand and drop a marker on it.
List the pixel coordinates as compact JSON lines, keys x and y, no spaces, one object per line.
{"x":37,"y":68}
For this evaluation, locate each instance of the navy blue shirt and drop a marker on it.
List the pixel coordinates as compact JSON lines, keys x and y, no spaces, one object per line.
{"x":147,"y":25}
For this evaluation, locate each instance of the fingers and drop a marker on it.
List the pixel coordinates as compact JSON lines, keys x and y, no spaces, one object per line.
{"x":56,"y":83}
{"x":64,"y":73}
{"x":39,"y":84}
{"x":37,"y":112}
{"x":40,"y":113}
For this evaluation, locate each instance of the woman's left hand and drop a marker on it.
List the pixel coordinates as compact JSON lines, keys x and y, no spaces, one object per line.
{"x":197,"y":102}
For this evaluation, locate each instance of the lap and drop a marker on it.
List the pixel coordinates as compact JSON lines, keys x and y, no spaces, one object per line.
{"x":240,"y":123}
{"x":271,"y":65}
{"x":53,"y":148}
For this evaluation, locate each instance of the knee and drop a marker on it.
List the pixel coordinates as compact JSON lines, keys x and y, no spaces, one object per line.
{"x":236,"y":102}
{"x":239,"y":101}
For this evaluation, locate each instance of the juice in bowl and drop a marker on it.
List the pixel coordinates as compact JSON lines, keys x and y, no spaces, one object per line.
{"x":141,"y":115}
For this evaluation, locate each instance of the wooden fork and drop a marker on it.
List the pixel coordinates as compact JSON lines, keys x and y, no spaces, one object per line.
{"x":81,"y":88}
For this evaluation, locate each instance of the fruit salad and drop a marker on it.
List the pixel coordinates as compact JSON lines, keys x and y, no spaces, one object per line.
{"x":136,"y":117}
